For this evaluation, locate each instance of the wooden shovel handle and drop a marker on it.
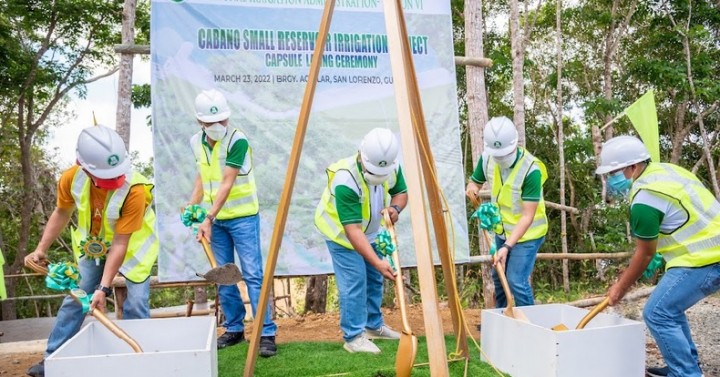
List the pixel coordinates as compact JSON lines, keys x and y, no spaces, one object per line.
{"x":503,"y":281}
{"x":399,"y":285}
{"x":98,"y":314}
{"x":588,"y":317}
{"x":208,"y":251}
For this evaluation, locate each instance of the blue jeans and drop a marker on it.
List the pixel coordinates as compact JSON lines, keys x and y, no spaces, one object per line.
{"x":518,"y":267}
{"x":241,"y":235}
{"x":70,"y":316}
{"x":360,"y":287}
{"x":664,"y":313}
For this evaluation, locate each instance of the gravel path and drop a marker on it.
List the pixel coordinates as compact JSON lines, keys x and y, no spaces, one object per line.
{"x":705,"y":326}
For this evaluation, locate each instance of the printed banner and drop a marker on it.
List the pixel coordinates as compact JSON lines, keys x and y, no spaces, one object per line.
{"x":258,"y":53}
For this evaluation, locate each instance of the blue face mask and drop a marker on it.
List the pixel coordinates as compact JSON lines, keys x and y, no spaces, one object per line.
{"x":618,"y":185}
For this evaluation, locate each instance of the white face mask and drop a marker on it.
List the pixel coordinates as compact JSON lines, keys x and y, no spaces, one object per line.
{"x":216,"y":131}
{"x":506,"y":161}
{"x":375,"y":180}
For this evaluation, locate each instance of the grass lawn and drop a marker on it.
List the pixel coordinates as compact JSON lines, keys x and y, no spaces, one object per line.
{"x":329,"y":359}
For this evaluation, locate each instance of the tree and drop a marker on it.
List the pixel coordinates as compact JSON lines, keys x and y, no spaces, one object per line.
{"x":57,"y":46}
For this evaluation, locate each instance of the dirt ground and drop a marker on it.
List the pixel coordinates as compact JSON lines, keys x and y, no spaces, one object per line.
{"x":704,"y":318}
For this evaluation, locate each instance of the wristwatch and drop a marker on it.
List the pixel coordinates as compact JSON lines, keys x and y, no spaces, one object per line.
{"x":211,"y":218}
{"x":507,"y":247}
{"x":397,"y":208}
{"x":107,"y":290}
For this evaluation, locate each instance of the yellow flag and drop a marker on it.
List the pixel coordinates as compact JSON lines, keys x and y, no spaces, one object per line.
{"x":643,"y":116}
{"x":3,"y":293}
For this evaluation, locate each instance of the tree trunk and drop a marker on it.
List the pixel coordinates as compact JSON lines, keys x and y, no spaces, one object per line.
{"x":477,"y":105}
{"x":124,"y":103}
{"x":561,"y":142}
{"x":518,"y":55}
{"x":316,"y":294}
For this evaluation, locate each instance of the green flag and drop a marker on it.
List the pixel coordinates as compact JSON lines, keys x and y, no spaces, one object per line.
{"x":3,"y":293}
{"x":643,"y":116}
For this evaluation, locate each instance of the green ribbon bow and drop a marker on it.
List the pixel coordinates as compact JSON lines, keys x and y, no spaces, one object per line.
{"x":192,"y":216}
{"x":654,"y":264}
{"x":385,"y":246}
{"x":488,"y":216}
{"x":65,"y":276}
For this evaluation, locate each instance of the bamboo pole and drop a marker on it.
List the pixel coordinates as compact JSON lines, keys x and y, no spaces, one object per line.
{"x":400,"y":65}
{"x":286,"y":196}
{"x":560,"y":256}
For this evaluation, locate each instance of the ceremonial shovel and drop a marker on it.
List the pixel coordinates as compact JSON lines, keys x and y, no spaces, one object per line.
{"x":510,"y":311}
{"x":600,"y":307}
{"x":227,"y":274}
{"x":407,"y":349}
{"x":98,"y":314}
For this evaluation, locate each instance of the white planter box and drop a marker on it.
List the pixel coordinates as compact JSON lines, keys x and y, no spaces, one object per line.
{"x":178,"y":347}
{"x":609,"y":346}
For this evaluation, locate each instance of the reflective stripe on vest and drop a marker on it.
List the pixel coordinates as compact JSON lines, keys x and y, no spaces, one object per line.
{"x":242,"y":199}
{"x":143,"y":246}
{"x":508,"y":196}
{"x":327,"y":219}
{"x":697,"y":242}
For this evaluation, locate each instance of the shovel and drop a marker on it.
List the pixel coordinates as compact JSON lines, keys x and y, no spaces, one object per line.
{"x":77,"y":294}
{"x":588,"y":317}
{"x":407,"y":349}
{"x":510,"y":311}
{"x":227,"y":274}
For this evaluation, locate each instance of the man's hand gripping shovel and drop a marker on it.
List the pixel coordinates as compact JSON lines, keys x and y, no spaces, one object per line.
{"x":227,"y":274}
{"x":407,"y":349}
{"x":79,"y":295}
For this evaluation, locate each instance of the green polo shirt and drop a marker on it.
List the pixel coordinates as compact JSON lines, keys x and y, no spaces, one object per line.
{"x":531,"y":187}
{"x":236,"y":154}
{"x":645,"y":221}
{"x":348,"y":203}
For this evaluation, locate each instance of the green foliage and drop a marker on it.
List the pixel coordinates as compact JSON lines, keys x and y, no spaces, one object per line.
{"x":329,"y":358}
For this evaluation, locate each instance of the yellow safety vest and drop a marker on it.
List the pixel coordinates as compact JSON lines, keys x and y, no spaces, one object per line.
{"x":508,"y":196}
{"x":143,"y":247}
{"x":327,"y":219}
{"x":697,"y":242}
{"x":242,"y":199}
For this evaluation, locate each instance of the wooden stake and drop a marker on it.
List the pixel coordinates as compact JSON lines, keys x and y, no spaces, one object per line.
{"x":286,"y":196}
{"x":404,"y":98}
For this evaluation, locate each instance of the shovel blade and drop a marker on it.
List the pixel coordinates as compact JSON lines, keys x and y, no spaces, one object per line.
{"x":227,"y":274}
{"x":405,"y":357}
{"x":560,"y":327}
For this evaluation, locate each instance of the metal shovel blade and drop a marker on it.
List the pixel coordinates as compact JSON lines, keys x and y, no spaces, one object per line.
{"x":227,"y":274}
{"x":405,"y":358}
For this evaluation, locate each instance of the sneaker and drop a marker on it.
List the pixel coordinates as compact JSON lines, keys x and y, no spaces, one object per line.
{"x":384,"y":332}
{"x":230,"y":339}
{"x":267,"y":346}
{"x":37,"y":370}
{"x":361,"y":343}
{"x":658,"y":371}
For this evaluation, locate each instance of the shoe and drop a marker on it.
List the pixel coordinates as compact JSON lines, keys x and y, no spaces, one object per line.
{"x":361,"y":343}
{"x":230,"y":339}
{"x":658,"y":371}
{"x":384,"y":332}
{"x":37,"y":370}
{"x":267,"y":346}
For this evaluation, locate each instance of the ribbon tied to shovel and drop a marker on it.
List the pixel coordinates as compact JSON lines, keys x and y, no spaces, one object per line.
{"x":65,"y":276}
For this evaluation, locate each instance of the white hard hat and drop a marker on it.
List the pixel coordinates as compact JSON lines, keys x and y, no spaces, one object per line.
{"x":500,"y":136}
{"x":101,"y":151}
{"x":620,"y":152}
{"x":379,"y":151}
{"x":211,"y":106}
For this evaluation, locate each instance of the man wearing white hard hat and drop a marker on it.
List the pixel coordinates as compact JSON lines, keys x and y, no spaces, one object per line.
{"x":226,"y":185}
{"x":348,"y":215}
{"x":516,"y":178}
{"x":674,"y":214}
{"x":115,"y":231}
